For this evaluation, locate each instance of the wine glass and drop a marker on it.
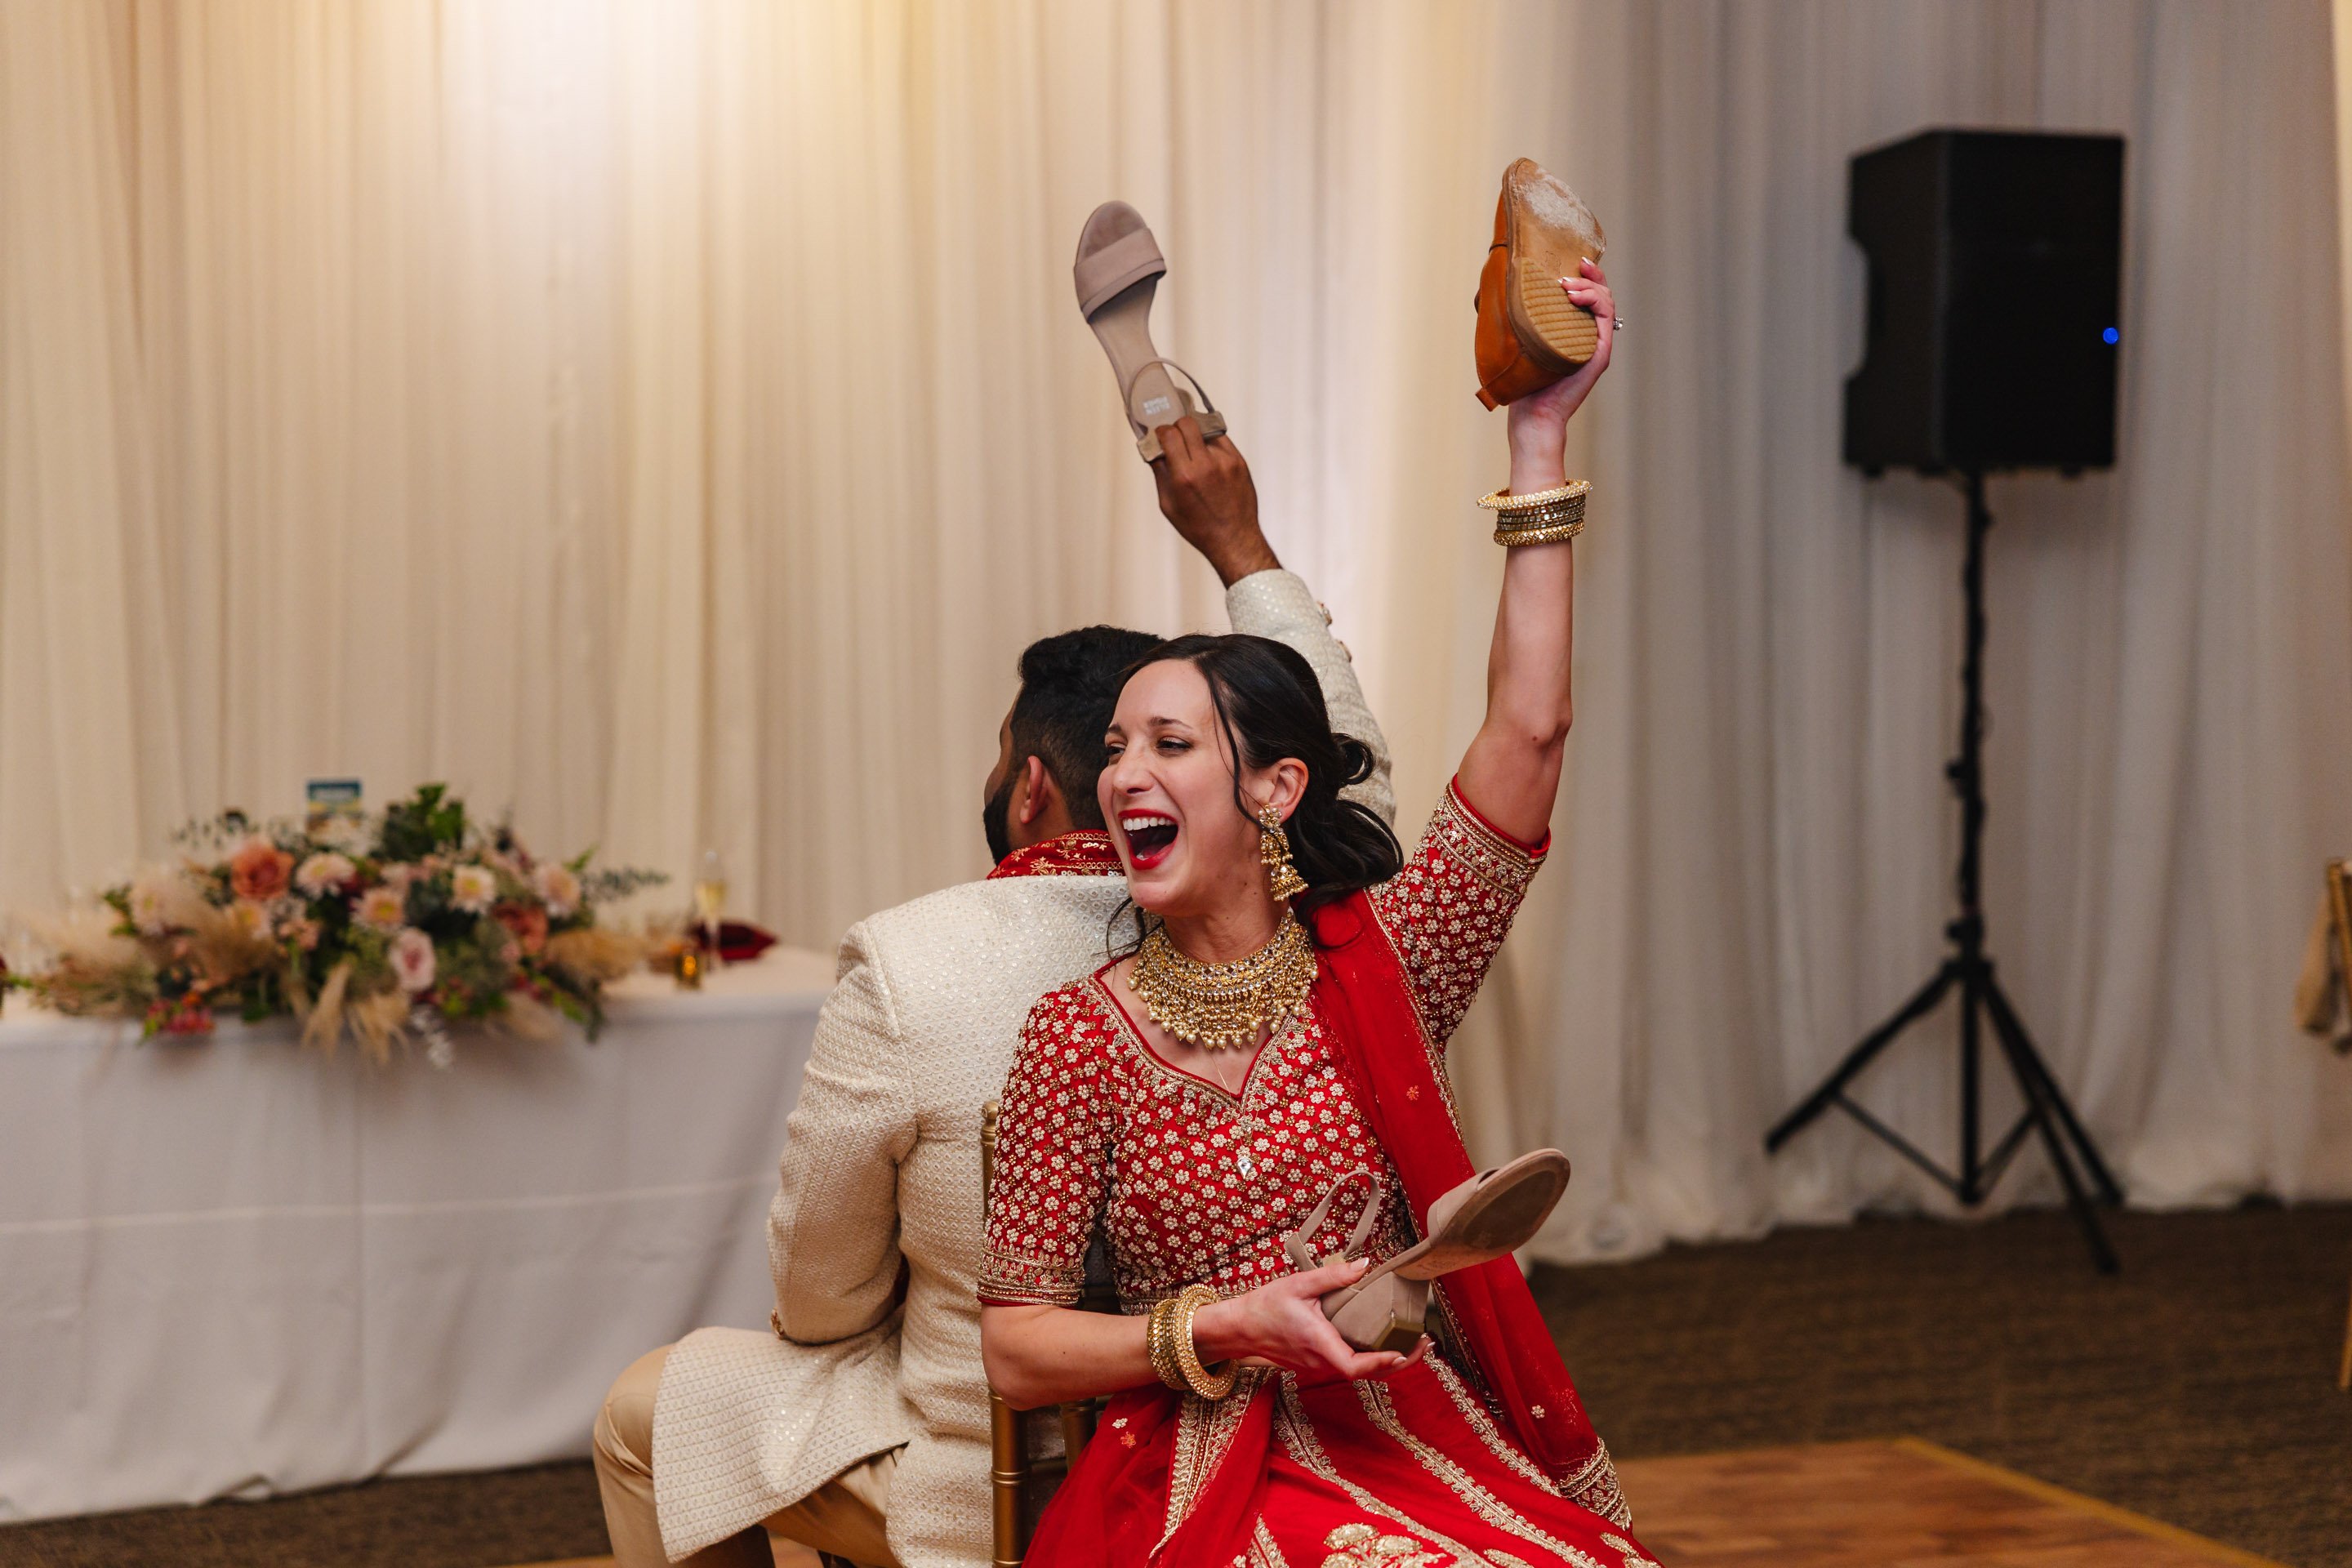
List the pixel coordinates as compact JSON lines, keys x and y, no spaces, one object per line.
{"x":710,"y":898}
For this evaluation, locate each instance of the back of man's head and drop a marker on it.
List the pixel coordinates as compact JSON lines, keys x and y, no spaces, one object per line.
{"x":1070,"y":687}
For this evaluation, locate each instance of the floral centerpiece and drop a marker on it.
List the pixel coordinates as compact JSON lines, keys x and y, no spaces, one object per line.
{"x":387,"y":929}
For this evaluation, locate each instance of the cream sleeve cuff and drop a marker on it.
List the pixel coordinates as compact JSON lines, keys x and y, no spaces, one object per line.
{"x":1278,"y":604}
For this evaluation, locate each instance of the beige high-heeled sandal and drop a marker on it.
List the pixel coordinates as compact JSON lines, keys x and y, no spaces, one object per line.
{"x":1117,"y":271}
{"x":1493,"y":1212}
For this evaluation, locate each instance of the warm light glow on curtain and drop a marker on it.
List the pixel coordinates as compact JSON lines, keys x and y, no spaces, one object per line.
{"x":671,"y":420}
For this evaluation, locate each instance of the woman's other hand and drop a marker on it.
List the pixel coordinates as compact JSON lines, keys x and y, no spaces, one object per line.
{"x":1539,"y":422}
{"x":1283,"y":1323}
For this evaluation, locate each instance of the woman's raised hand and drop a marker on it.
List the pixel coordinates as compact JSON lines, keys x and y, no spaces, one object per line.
{"x":1511,"y":772}
{"x":1283,"y":1323}
{"x":1539,"y":422}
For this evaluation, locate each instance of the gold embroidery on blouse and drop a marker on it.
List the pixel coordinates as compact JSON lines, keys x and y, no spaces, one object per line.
{"x":1501,"y":863}
{"x":1381,"y":1411}
{"x":1219,"y":1095}
{"x":1017,"y":1277}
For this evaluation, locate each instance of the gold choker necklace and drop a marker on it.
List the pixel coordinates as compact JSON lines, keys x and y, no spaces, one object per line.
{"x":1222,"y":1007}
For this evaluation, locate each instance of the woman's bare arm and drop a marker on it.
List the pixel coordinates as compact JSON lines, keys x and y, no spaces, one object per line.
{"x":1511,"y":772}
{"x":1044,"y":1356}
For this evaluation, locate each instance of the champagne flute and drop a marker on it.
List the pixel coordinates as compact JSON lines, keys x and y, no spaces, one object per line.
{"x":710,"y":898}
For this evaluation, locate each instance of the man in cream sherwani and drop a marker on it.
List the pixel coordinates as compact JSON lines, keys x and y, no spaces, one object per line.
{"x":860,"y":1426}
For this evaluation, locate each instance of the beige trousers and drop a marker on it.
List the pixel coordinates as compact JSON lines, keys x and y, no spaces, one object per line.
{"x":842,"y":1517}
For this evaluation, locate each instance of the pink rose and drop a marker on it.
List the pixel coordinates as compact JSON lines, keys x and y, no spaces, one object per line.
{"x":260,"y":870}
{"x":412,"y":959}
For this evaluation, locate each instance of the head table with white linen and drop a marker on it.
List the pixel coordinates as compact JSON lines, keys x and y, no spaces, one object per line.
{"x":236,"y":1266}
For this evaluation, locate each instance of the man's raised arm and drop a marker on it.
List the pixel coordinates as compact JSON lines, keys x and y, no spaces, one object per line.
{"x":1206,"y":491}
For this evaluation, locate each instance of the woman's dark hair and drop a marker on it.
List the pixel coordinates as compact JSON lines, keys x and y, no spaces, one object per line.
{"x":1270,"y":706}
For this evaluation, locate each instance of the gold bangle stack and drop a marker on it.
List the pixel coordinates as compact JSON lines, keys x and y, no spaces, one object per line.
{"x":1168,"y":1338}
{"x":1159,"y":1340}
{"x":1206,"y":1384}
{"x":1546,"y":517}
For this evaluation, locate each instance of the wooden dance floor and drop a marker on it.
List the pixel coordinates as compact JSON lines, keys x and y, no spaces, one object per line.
{"x":1888,"y":1505}
{"x":1861,"y":1505}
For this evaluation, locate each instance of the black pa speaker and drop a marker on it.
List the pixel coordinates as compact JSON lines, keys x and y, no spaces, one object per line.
{"x":1995,"y":281}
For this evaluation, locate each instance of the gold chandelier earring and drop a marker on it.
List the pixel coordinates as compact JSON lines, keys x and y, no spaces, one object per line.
{"x":1274,"y":848}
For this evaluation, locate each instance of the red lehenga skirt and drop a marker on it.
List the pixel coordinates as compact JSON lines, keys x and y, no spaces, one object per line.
{"x":1406,"y":1472}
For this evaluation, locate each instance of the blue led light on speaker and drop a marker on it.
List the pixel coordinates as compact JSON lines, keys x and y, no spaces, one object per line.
{"x":2111,"y":336}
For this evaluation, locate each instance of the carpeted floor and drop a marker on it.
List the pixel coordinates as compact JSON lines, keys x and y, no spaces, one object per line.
{"x":2199,"y":1388}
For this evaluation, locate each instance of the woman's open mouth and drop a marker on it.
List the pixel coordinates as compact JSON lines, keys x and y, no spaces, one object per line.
{"x":1151,"y":834}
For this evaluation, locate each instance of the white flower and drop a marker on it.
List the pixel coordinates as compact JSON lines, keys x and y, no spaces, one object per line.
{"x":151,"y":899}
{"x":250,"y":918}
{"x":559,"y":886}
{"x":348,"y":834}
{"x":472,"y":889}
{"x":322,"y":873}
{"x":412,"y":959}
{"x":382,"y":908}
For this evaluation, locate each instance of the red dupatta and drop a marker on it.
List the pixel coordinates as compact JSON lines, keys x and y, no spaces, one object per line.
{"x":1365,"y":1000}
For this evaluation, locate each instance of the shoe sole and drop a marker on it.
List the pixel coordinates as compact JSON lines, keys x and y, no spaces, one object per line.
{"x":1568,"y":330}
{"x":1545,"y":253}
{"x":1494,"y":1222}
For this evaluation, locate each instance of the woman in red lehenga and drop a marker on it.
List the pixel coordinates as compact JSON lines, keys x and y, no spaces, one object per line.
{"x":1200,"y":1098}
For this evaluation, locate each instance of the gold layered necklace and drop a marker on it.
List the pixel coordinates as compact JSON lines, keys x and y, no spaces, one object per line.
{"x":1222,"y":1007}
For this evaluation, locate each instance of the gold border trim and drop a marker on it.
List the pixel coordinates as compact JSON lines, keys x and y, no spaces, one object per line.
{"x":1296,"y":1430}
{"x":1218,"y":1093}
{"x":1448,"y":1472}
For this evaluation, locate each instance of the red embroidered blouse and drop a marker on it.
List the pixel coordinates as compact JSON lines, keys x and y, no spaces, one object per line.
{"x":1192,"y":1182}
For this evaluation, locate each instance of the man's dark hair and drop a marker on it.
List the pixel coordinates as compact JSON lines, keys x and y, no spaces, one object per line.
{"x":1070,"y":687}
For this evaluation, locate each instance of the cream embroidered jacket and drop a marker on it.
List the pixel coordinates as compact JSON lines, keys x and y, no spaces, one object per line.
{"x":881,"y":1172}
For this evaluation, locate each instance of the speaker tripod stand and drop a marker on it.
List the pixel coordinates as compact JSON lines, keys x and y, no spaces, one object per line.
{"x":1969,"y":968}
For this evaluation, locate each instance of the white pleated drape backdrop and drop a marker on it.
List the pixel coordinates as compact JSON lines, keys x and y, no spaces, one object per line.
{"x":671,"y":420}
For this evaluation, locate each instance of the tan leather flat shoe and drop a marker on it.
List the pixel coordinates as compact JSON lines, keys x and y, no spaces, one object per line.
{"x":1528,"y":334}
{"x":1493,"y":1212}
{"x":1117,"y":271}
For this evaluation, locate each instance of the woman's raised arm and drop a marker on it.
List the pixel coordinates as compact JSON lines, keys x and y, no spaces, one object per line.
{"x":1511,"y":772}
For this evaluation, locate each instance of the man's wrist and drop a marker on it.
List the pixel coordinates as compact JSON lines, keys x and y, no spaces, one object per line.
{"x":1242,"y":558}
